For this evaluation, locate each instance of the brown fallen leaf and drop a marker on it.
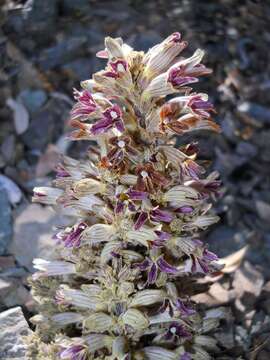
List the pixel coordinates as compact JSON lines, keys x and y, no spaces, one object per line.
{"x":232,"y":261}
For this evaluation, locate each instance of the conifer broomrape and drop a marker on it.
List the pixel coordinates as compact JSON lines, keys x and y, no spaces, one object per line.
{"x":136,"y":206}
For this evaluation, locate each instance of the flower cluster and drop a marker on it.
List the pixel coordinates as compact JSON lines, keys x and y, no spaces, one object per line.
{"x":134,"y":209}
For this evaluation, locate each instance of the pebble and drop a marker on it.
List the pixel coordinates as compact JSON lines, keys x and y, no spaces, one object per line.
{"x":20,"y":115}
{"x":71,"y":7}
{"x":33,"y":100}
{"x":8,"y":149}
{"x":263,"y":210}
{"x":255,"y":111}
{"x":16,"y":294}
{"x":5,"y":221}
{"x":246,"y":149}
{"x":79,"y":69}
{"x":46,"y":125}
{"x":13,"y":327}
{"x":13,"y":191}
{"x":33,"y":230}
{"x":62,"y":52}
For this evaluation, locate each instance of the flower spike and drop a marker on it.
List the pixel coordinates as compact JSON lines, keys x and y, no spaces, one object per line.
{"x":134,"y":206}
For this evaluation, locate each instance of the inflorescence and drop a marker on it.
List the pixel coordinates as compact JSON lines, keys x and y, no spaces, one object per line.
{"x":134,"y":209}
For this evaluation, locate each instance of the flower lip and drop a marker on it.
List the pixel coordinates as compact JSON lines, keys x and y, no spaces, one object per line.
{"x":85,"y":105}
{"x":74,"y":352}
{"x":176,"y":37}
{"x":137,"y":195}
{"x":117,"y":68}
{"x":142,"y":218}
{"x":200,"y":106}
{"x":111,"y":118}
{"x":166,"y":267}
{"x":178,"y":78}
{"x":72,"y":239}
{"x":161,"y":215}
{"x":175,"y":331}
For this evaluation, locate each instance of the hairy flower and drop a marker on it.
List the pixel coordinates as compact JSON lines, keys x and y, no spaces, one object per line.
{"x":134,"y":206}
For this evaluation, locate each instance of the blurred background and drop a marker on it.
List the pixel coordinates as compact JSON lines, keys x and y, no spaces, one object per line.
{"x":48,"y":46}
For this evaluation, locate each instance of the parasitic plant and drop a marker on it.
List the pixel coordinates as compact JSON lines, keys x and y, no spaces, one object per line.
{"x":134,"y":208}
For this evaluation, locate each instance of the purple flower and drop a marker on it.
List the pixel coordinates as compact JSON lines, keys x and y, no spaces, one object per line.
{"x":166,"y":267}
{"x":209,"y":256}
{"x":152,"y":268}
{"x":176,"y":37}
{"x":142,"y":218}
{"x":176,"y":304}
{"x":161,"y":215}
{"x":183,"y":308}
{"x":61,"y":171}
{"x":127,"y":199}
{"x":162,"y":237}
{"x":184,"y":209}
{"x":85,"y":105}
{"x":120,"y":206}
{"x":185,"y":356}
{"x":74,"y":352}
{"x":152,"y":274}
{"x":201,"y":263}
{"x":200,"y":107}
{"x":137,"y":195}
{"x":178,"y":78}
{"x":156,"y":215}
{"x":117,"y":68}
{"x":176,"y":331}
{"x":73,"y":237}
{"x":192,"y":169}
{"x":186,"y":71}
{"x":111,"y":118}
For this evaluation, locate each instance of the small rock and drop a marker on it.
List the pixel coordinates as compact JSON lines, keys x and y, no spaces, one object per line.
{"x":6,"y":262}
{"x":2,"y":161}
{"x":13,"y":191}
{"x":5,"y":221}
{"x":33,"y":230}
{"x":255,"y":111}
{"x":226,"y":163}
{"x":146,"y":40}
{"x":226,"y":337}
{"x":13,"y":327}
{"x":46,"y":125}
{"x":223,"y":240}
{"x":33,"y":99}
{"x":4,"y":288}
{"x":71,"y":7}
{"x":263,"y":355}
{"x":20,"y":115}
{"x":16,"y":294}
{"x":40,"y":19}
{"x":80,"y":68}
{"x":248,"y":283}
{"x":265,"y":305}
{"x":62,"y":53}
{"x":8,"y":149}
{"x":263,"y":210}
{"x":247,"y":149}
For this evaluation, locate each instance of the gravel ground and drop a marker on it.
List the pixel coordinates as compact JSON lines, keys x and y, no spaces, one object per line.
{"x":47,"y":47}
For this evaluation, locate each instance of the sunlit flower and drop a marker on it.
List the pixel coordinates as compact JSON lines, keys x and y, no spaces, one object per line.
{"x":85,"y":105}
{"x":132,"y":209}
{"x":112,"y":117}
